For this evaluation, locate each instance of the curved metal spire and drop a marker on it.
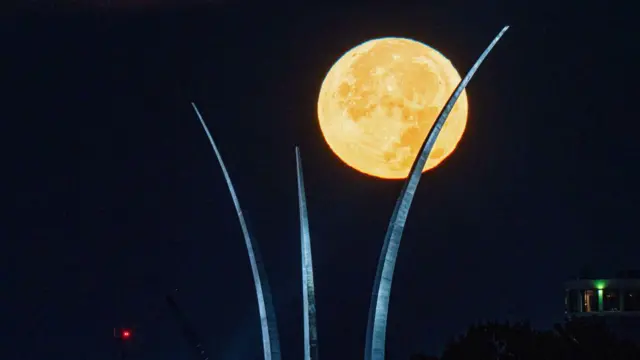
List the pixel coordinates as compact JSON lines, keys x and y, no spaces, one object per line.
{"x":308,"y":289}
{"x":378,"y":310}
{"x":270,"y":340}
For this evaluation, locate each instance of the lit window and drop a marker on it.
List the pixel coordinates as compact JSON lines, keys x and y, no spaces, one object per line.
{"x":590,"y":301}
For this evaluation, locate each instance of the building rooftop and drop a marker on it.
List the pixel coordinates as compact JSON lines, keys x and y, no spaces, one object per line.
{"x":612,"y":296}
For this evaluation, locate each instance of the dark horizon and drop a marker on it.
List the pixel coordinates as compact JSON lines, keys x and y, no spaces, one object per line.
{"x":116,"y":198}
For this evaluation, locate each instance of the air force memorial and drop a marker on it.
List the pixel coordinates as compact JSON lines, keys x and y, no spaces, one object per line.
{"x":378,"y":310}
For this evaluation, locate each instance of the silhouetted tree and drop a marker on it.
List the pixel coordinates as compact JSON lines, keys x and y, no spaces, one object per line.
{"x":582,"y":339}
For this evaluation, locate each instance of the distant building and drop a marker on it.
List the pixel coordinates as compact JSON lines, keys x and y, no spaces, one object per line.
{"x":616,"y":301}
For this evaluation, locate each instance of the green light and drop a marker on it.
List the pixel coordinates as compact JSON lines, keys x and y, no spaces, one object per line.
{"x":600,"y":284}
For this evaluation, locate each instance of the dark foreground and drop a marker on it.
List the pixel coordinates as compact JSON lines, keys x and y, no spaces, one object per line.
{"x":581,"y":339}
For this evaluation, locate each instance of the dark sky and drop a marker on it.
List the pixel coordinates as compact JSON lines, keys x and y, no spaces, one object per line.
{"x":115,"y":196}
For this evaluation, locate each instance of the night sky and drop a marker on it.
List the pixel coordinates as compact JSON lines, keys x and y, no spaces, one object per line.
{"x":115,"y":197}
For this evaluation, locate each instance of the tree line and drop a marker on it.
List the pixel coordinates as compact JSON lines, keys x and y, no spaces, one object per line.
{"x":582,"y":339}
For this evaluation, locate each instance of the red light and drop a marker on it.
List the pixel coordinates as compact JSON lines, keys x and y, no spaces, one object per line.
{"x":126,"y":334}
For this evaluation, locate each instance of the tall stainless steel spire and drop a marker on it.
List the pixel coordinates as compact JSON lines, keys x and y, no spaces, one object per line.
{"x":376,"y":327}
{"x":308,"y":289}
{"x":270,"y":340}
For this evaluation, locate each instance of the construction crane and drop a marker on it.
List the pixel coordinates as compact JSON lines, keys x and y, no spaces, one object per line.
{"x":188,"y":331}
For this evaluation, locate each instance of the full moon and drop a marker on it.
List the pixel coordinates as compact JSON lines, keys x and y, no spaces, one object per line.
{"x":379,"y":101}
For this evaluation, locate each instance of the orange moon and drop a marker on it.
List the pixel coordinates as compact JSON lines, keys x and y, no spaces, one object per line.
{"x":379,"y":101}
